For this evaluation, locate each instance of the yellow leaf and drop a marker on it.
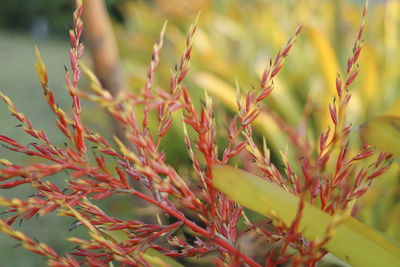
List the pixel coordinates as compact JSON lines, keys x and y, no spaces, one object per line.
{"x":329,"y":67}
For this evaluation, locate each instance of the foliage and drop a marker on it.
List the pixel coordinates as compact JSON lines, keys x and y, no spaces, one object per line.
{"x":233,"y":44}
{"x":328,"y":172}
{"x":340,"y":234}
{"x":21,"y":15}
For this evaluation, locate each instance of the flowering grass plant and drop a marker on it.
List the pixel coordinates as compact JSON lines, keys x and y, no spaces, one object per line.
{"x":202,"y":214}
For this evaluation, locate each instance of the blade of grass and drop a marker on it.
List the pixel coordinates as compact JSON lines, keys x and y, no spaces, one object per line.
{"x":352,"y":241}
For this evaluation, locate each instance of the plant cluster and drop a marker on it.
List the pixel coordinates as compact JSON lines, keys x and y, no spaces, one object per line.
{"x":197,"y":220}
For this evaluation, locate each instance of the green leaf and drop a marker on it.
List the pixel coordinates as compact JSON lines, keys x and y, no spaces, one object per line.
{"x":352,"y":241}
{"x":384,"y":133}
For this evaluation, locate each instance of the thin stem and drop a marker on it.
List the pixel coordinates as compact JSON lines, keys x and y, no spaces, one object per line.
{"x":215,"y":238}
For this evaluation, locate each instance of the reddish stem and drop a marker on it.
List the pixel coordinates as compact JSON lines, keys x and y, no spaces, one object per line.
{"x":216,"y":239}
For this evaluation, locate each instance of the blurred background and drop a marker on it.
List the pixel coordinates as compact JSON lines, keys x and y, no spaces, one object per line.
{"x":235,"y":40}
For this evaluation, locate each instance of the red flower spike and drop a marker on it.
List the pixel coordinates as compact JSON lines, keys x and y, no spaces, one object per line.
{"x":332,"y":111}
{"x":10,"y":141}
{"x":265,"y":93}
{"x":352,"y":76}
{"x":250,"y":117}
{"x":167,"y":188}
{"x":378,"y":172}
{"x":276,"y":70}
{"x":339,"y":88}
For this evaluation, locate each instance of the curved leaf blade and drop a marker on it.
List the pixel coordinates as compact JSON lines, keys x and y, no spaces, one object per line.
{"x":352,"y":241}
